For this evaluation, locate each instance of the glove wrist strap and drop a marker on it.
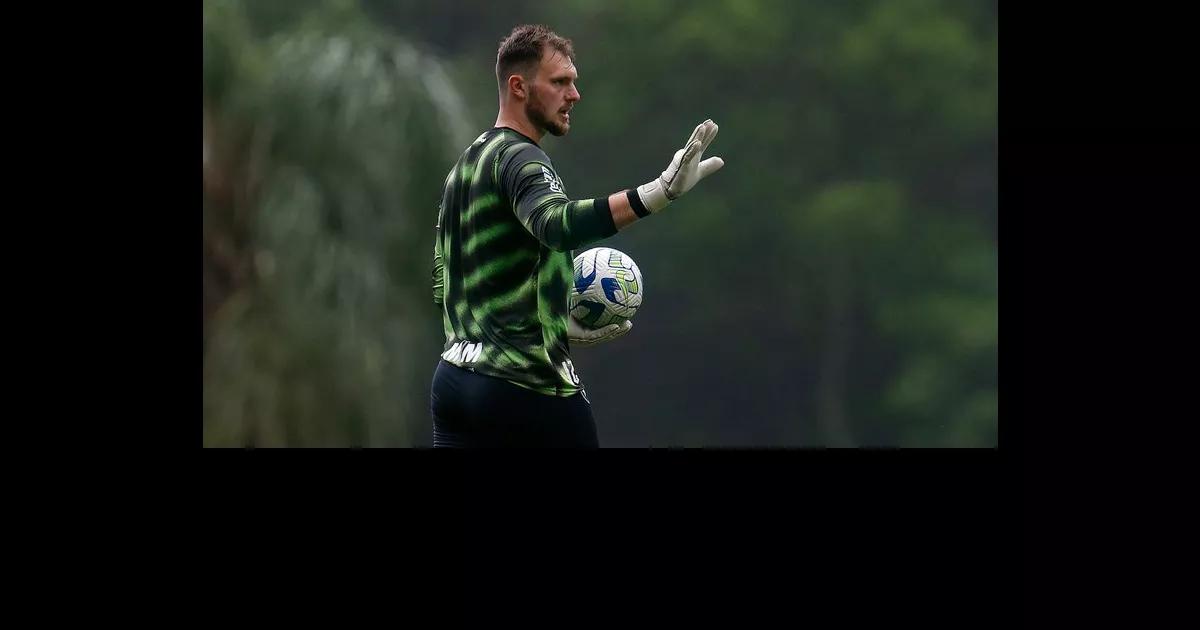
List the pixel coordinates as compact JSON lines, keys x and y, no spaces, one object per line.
{"x":653,"y":195}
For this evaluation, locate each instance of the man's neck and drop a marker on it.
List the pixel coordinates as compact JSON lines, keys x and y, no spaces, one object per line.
{"x":519,"y":124}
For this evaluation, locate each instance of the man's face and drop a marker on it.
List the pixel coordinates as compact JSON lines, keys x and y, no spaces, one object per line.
{"x":552,"y":94}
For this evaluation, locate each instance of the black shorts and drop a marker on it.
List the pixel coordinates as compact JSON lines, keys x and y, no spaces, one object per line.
{"x":475,"y":411}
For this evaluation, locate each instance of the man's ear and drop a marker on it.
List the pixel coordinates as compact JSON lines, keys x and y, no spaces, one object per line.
{"x":517,"y":87}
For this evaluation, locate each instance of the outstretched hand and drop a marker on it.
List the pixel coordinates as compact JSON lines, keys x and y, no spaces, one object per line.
{"x":685,"y":170}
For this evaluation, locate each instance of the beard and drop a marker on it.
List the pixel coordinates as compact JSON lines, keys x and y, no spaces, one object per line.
{"x":537,"y":115}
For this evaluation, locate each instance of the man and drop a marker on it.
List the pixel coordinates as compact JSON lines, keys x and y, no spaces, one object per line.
{"x":503,"y":265}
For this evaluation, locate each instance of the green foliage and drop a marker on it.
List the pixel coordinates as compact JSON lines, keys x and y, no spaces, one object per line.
{"x":919,"y":63}
{"x":944,"y":321}
{"x":852,"y":218}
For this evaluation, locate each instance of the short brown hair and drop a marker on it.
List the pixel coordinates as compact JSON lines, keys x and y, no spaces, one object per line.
{"x":521,"y":51}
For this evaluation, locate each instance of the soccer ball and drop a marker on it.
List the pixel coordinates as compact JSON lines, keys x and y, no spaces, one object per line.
{"x":608,"y":287}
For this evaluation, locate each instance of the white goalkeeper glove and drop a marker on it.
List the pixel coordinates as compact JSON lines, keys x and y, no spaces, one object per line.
{"x":580,"y":336}
{"x":684,"y":170}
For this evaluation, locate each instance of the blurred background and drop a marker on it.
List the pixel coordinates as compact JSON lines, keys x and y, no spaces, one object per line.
{"x":835,"y":285}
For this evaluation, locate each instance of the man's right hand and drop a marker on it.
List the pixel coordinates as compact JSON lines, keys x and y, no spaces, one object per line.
{"x":684,"y":171}
{"x":580,"y":336}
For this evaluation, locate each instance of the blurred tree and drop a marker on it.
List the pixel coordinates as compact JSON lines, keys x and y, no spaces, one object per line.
{"x":322,"y":140}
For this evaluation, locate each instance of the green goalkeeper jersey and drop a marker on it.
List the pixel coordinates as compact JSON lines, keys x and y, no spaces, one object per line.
{"x":502,"y":264}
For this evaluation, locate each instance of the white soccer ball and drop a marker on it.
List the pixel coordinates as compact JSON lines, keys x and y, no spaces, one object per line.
{"x":608,"y":287}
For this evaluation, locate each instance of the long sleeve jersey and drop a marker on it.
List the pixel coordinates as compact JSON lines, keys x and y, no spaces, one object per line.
{"x":503,"y":265}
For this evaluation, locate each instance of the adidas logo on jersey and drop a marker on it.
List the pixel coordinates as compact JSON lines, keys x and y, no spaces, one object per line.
{"x":463,"y":352}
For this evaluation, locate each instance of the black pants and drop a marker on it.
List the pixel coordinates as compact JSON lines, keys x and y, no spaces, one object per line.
{"x":475,"y":411}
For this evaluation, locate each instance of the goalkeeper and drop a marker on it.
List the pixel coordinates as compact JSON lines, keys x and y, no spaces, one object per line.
{"x":503,"y":266}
